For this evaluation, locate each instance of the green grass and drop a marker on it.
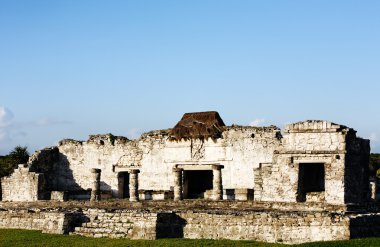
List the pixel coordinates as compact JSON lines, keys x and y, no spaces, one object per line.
{"x":36,"y":238}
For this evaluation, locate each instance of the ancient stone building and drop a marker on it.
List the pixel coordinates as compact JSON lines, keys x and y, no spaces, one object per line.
{"x":202,"y":158}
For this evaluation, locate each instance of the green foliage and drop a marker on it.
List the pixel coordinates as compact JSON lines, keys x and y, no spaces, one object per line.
{"x":374,"y":164}
{"x":19,"y":155}
{"x":10,"y":237}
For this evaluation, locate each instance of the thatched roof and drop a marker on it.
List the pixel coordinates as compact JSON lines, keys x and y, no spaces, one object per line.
{"x":198,"y":125}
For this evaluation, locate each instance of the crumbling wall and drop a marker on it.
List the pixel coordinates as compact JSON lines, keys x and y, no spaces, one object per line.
{"x":23,"y":185}
{"x":78,"y":158}
{"x":268,"y":226}
{"x":29,"y":219}
{"x":45,"y":162}
{"x":240,"y":150}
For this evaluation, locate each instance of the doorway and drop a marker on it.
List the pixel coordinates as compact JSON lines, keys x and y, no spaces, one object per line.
{"x":197,"y":184}
{"x":311,"y":178}
{"x":123,"y":184}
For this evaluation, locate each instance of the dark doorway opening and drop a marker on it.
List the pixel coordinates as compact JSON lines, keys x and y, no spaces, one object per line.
{"x":197,"y":183}
{"x":123,"y":181}
{"x":311,"y":178}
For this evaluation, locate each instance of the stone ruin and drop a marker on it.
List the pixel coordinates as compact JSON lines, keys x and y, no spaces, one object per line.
{"x":201,"y":179}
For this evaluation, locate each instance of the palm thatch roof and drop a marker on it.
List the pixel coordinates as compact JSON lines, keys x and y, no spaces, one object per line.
{"x":198,"y":125}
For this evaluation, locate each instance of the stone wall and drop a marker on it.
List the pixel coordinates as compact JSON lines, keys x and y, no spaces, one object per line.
{"x":240,"y":150}
{"x":32,"y":219}
{"x":132,"y":224}
{"x":23,"y":185}
{"x":279,"y":222}
{"x":294,"y":227}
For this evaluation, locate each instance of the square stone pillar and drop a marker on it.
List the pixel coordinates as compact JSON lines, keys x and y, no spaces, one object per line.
{"x":95,"y":190}
{"x":217,"y":187}
{"x":134,"y":185}
{"x":178,"y":184}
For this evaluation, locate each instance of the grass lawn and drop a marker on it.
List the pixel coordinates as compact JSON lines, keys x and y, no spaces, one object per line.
{"x":36,"y":238}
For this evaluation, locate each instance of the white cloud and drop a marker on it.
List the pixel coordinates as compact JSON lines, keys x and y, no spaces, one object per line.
{"x":134,"y":133}
{"x":6,"y":117}
{"x":257,"y":122}
{"x":373,"y":137}
{"x":48,"y":122}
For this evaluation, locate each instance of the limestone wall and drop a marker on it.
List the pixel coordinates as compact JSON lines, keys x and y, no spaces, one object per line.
{"x":47,"y":222}
{"x":287,"y":223}
{"x":22,"y":185}
{"x":240,"y":150}
{"x":132,"y":224}
{"x":265,"y":226}
{"x":268,"y":226}
{"x":313,"y":142}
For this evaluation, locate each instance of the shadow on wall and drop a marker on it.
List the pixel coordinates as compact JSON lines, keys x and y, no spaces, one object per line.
{"x":58,"y":175}
{"x":169,"y":225}
{"x":365,"y":226}
{"x":65,"y":181}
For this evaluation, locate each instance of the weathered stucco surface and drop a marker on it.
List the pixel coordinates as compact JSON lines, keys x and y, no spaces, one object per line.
{"x":240,"y":151}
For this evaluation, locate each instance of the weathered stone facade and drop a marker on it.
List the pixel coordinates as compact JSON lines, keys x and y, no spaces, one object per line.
{"x":201,"y":158}
{"x":335,"y":152}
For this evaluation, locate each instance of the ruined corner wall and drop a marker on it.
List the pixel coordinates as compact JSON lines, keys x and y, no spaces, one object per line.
{"x":306,"y":143}
{"x":23,"y":185}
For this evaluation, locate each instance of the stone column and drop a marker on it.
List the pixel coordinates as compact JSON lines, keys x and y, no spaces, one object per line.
{"x":95,"y":192}
{"x":177,"y":184}
{"x":217,"y":182}
{"x":134,"y":185}
{"x":373,"y":190}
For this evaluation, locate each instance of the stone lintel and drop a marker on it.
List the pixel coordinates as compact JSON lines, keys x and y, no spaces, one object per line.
{"x":124,"y":169}
{"x":198,"y":167}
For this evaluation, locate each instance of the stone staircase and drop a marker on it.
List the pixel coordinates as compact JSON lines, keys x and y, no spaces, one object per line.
{"x":100,"y":229}
{"x":119,"y":224}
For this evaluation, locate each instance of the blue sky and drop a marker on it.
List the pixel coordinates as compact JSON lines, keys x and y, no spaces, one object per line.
{"x":72,"y":68}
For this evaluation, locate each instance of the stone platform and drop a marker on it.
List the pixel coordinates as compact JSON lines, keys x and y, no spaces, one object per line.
{"x":269,"y":222}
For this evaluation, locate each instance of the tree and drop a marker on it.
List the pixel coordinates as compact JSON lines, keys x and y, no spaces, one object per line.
{"x":374,"y":164}
{"x":19,"y":155}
